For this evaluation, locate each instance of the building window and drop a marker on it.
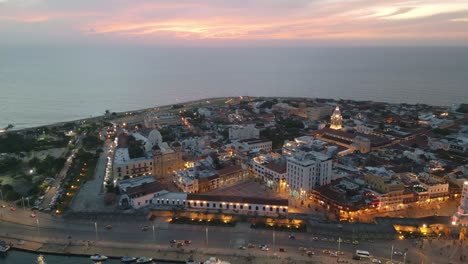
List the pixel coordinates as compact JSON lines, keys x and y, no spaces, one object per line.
{"x":241,"y":207}
{"x":207,"y":204}
{"x":220,"y":206}
{"x":263,"y":208}
{"x":271,"y":209}
{"x":227,"y":206}
{"x":284,"y":209}
{"x":250,"y":207}
{"x":235,"y":206}
{"x":256,"y":208}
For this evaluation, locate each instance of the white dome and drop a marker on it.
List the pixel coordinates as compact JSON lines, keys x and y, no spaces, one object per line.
{"x":154,"y":138}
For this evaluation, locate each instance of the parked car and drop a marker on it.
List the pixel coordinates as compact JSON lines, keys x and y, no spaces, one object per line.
{"x":265,"y":248}
{"x":108,"y":227}
{"x":250,"y":245}
{"x":292,"y":237}
{"x":398,"y":253}
{"x":282,"y":250}
{"x":376,"y":261}
{"x":242,"y":247}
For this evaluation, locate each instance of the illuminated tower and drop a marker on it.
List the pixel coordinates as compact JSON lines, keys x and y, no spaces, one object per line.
{"x":461,"y":216}
{"x":336,"y":119}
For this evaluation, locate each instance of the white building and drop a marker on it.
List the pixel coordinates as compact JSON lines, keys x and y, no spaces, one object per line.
{"x":248,"y":145}
{"x":141,"y":195}
{"x":237,"y":132}
{"x":155,"y":119}
{"x":273,"y":172}
{"x":125,"y":166}
{"x":134,"y":182}
{"x":237,"y":204}
{"x":461,"y":216}
{"x":308,"y":170}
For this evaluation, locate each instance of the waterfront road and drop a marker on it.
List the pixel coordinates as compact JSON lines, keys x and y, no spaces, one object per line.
{"x":51,"y":229}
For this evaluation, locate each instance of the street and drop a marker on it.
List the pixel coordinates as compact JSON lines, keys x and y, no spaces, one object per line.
{"x":51,"y":229}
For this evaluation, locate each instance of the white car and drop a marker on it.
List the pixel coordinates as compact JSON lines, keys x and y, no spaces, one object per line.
{"x":376,"y":261}
{"x":265,"y":248}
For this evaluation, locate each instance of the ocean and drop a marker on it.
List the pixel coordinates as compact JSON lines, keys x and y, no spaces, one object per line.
{"x":44,"y":84}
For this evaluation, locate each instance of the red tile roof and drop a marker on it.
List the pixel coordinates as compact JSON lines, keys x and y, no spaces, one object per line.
{"x":144,"y":189}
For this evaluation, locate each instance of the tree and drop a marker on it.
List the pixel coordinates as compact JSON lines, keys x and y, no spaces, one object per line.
{"x":135,"y":148}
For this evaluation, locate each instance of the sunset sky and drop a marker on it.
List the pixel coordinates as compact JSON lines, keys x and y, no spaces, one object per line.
{"x":235,"y":22}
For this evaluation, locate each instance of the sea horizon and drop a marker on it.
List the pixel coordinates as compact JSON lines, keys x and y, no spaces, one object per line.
{"x":49,"y":84}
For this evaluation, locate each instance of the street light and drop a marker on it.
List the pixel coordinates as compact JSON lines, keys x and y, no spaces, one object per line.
{"x":206,"y":234}
{"x":154,"y":234}
{"x":391,"y":255}
{"x":95,"y":228}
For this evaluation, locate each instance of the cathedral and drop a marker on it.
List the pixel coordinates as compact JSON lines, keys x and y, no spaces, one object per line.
{"x":336,"y":119}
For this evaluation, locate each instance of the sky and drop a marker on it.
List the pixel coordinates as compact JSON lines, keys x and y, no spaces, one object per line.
{"x":235,"y":22}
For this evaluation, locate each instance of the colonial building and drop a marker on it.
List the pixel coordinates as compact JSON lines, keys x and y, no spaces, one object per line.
{"x":336,"y":119}
{"x":238,"y":205}
{"x":248,"y":145}
{"x":461,"y":216}
{"x":272,"y":172}
{"x":124,"y":166}
{"x":237,"y":132}
{"x":167,"y":159}
{"x":141,"y":195}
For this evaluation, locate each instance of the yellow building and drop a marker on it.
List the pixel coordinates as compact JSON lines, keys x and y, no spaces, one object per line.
{"x":167,"y":159}
{"x":336,"y":119}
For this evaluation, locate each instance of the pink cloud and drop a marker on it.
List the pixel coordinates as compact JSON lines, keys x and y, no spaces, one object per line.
{"x":250,"y":19}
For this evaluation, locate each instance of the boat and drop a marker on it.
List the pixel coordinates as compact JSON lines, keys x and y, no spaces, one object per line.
{"x":4,"y":247}
{"x":40,"y":260}
{"x":127,"y":259}
{"x":144,"y":260}
{"x":98,"y":257}
{"x":214,"y":260}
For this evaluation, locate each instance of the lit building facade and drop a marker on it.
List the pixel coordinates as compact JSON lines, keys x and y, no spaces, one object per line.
{"x":336,"y":119}
{"x":307,"y":170}
{"x":167,"y":159}
{"x":461,"y":216}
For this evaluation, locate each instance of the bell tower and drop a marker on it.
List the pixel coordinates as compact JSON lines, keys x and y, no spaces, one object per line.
{"x":336,"y":119}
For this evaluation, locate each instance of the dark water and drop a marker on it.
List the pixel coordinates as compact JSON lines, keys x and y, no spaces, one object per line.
{"x":40,"y":85}
{"x":20,"y":257}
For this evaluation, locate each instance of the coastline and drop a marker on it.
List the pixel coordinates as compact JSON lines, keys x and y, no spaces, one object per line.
{"x":198,"y":101}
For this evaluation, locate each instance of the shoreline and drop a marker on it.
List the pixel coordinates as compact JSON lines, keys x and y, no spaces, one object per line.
{"x":59,"y":123}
